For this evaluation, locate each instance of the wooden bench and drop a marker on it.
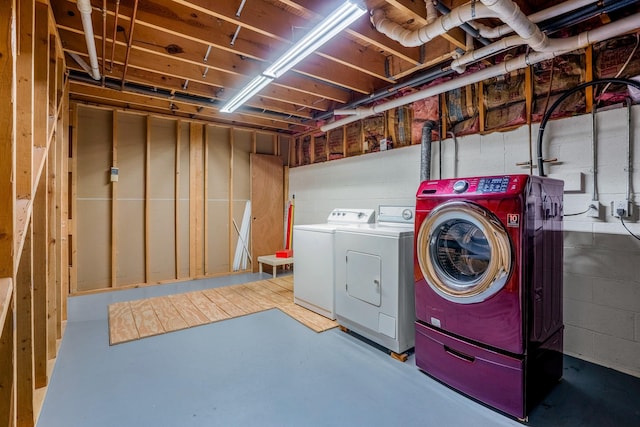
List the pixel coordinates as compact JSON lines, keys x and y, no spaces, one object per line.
{"x":273,"y":261}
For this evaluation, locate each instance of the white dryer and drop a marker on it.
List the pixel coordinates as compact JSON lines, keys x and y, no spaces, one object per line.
{"x":374,"y":295}
{"x":313,"y":246}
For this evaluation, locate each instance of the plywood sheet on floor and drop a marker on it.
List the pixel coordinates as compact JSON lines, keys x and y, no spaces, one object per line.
{"x":132,"y":320}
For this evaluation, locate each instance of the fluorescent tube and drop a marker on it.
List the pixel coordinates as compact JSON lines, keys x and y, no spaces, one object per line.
{"x":337,"y":21}
{"x":321,"y":33}
{"x":255,"y":86}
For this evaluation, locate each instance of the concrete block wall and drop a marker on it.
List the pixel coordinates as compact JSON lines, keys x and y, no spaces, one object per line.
{"x":601,"y":260}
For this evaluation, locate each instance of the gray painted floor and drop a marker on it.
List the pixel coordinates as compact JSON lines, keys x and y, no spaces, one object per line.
{"x":266,"y":369}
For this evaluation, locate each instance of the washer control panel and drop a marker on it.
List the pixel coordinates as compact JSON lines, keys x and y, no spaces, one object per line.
{"x":352,"y":216}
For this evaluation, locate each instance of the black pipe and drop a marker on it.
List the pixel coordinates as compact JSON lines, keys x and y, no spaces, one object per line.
{"x":465,"y":27}
{"x":588,"y":12}
{"x":425,"y":150}
{"x":423,"y":78}
{"x":564,"y":96}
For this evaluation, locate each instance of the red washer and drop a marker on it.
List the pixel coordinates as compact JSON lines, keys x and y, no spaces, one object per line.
{"x":488,"y":275}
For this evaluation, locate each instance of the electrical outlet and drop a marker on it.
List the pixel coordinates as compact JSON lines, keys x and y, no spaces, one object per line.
{"x":621,"y":208}
{"x":593,"y":209}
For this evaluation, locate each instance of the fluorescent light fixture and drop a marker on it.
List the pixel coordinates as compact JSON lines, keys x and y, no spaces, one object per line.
{"x":340,"y":19}
{"x":255,"y":86}
{"x":337,"y":21}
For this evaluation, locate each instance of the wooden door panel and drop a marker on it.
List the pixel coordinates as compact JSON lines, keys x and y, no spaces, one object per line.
{"x":267,"y":225}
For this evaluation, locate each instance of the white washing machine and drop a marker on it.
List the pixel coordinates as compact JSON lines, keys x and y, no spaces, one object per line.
{"x":313,"y":246}
{"x":374,"y":294}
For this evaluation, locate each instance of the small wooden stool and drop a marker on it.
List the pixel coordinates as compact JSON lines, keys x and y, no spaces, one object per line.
{"x":273,"y":261}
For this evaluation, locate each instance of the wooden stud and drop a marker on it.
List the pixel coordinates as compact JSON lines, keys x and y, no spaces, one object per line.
{"x":7,"y":398}
{"x":114,"y":202}
{"x":72,"y":178}
{"x":206,"y":201}
{"x":147,"y":203}
{"x":195,"y":200}
{"x":24,"y":336}
{"x":24,"y":93}
{"x":65,"y":201}
{"x":231,"y":198}
{"x":8,"y":137}
{"x":39,"y":272}
{"x":177,"y":197}
{"x":482,"y":109}
{"x":589,"y":78}
{"x":53,"y":243}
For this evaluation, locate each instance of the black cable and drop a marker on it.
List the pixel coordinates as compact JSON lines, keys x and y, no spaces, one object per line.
{"x":564,"y":96}
{"x":625,"y":227}
{"x":579,"y":213}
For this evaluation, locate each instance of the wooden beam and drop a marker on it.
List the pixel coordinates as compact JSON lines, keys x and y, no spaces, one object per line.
{"x":114,"y":203}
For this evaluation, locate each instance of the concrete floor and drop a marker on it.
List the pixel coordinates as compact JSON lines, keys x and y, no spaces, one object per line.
{"x":266,"y":369}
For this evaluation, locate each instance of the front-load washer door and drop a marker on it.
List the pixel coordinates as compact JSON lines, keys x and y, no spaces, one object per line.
{"x":464,"y":252}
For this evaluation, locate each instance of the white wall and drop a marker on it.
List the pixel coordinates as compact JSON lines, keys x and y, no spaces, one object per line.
{"x":601,"y":260}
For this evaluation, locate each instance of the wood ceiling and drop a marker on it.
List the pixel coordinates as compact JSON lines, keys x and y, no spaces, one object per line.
{"x":187,"y":57}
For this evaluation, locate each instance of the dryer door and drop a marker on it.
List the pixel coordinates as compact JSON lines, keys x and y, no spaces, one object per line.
{"x":464,"y":252}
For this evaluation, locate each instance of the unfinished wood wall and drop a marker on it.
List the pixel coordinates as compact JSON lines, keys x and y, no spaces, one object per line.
{"x":34,"y":214}
{"x":175,"y":211}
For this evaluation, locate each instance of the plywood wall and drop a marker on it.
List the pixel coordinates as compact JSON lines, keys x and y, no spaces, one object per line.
{"x":170,"y":215}
{"x":93,"y":198}
{"x":162,"y":212}
{"x":217,"y":210}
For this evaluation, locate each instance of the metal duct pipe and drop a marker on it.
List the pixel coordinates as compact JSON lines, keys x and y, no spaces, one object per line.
{"x":622,"y":26}
{"x":84,"y":6}
{"x":425,"y":150}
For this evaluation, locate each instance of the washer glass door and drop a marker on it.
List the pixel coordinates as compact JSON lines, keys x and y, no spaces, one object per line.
{"x":464,"y":252}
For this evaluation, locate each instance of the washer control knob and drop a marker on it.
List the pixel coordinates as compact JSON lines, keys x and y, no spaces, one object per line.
{"x":407,"y":214}
{"x":460,"y":186}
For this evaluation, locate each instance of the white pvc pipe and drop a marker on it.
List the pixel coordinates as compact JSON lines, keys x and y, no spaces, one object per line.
{"x":432,"y":13}
{"x":510,"y":14}
{"x":84,"y":6}
{"x":543,"y":15}
{"x":440,"y":26}
{"x":622,"y":26}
